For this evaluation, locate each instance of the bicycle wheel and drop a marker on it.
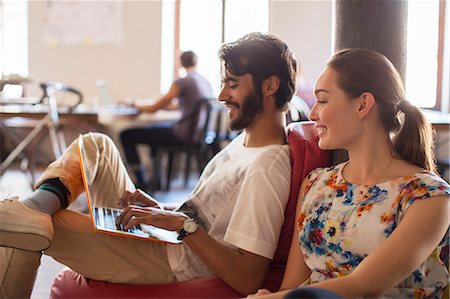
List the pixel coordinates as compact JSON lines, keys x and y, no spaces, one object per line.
{"x":42,"y":154}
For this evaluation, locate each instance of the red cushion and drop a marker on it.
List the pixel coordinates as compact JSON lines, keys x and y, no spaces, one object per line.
{"x":305,"y":156}
{"x":70,"y":284}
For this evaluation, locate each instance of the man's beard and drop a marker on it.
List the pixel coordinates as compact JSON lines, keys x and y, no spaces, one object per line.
{"x":250,"y":107}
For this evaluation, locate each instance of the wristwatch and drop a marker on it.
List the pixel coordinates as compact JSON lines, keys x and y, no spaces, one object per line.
{"x":189,"y":227}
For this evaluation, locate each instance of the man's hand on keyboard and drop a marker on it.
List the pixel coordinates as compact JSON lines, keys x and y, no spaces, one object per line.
{"x":134,"y":215}
{"x":138,"y":198}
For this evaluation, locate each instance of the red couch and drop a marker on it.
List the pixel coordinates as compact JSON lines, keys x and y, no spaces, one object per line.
{"x":305,"y":156}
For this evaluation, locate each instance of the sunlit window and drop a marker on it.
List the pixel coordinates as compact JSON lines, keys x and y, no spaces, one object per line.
{"x":14,"y":37}
{"x":243,"y":17}
{"x":201,"y":32}
{"x":201,"y":29}
{"x":422,"y":52}
{"x":167,"y":44}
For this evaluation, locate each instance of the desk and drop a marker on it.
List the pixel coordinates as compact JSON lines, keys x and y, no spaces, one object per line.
{"x":33,"y":132}
{"x":117,"y":119}
{"x":39,"y":111}
{"x":439,"y":120}
{"x":34,"y":119}
{"x":110,"y":115}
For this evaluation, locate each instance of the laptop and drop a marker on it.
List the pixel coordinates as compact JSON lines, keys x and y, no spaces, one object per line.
{"x":104,"y":218}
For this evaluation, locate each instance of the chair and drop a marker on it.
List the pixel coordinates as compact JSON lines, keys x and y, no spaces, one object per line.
{"x":201,"y":144}
{"x":305,"y":156}
{"x":214,"y":136}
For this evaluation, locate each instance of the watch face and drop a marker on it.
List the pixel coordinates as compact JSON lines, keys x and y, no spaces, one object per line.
{"x":190,"y":226}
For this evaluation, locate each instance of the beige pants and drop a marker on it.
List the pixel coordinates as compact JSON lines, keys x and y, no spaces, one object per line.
{"x":95,"y":255}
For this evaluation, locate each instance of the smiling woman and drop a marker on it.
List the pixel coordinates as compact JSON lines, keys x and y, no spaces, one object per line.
{"x":357,"y":221}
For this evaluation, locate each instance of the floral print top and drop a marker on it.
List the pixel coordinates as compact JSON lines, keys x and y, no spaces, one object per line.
{"x":341,"y":223}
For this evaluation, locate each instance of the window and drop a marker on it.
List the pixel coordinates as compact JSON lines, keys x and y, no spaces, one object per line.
{"x":13,"y":46}
{"x":426,"y":63}
{"x":201,"y":32}
{"x":243,"y":17}
{"x":205,"y":24}
{"x":14,"y":37}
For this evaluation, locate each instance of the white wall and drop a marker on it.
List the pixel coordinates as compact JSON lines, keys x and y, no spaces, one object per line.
{"x":306,"y":27}
{"x":131,"y":69}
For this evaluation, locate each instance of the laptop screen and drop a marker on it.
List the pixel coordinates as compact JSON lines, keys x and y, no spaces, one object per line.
{"x":103,"y":218}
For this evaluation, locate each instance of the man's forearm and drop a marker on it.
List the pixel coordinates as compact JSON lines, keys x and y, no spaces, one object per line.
{"x":243,"y":271}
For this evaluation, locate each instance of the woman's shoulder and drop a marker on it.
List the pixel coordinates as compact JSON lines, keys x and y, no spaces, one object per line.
{"x":408,"y":173}
{"x":427,"y":179}
{"x":421,"y":185}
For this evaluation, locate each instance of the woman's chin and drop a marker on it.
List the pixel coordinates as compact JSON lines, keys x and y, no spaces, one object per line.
{"x":323,"y":145}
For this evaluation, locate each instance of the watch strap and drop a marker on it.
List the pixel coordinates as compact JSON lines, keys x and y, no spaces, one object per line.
{"x":182,"y":234}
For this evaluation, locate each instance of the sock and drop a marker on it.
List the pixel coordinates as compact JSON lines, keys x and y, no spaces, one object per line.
{"x":57,"y":187}
{"x":51,"y":196}
{"x":43,"y":201}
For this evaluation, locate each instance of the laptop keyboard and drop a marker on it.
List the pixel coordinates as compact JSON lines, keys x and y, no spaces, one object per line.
{"x":106,"y":218}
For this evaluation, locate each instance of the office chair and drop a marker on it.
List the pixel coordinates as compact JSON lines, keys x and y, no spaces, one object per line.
{"x":202,"y":144}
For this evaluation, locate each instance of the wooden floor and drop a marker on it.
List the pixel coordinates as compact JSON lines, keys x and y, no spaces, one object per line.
{"x":15,"y":182}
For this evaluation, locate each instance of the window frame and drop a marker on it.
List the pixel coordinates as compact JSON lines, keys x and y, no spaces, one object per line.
{"x":440,"y":97}
{"x":440,"y":64}
{"x":221,"y":37}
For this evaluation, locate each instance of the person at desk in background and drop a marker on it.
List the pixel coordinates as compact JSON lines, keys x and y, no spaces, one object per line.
{"x":377,"y":224}
{"x":229,"y":224}
{"x":183,"y":94}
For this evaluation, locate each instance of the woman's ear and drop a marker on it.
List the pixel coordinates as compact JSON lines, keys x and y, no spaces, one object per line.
{"x":366,"y":103}
{"x":270,"y":85}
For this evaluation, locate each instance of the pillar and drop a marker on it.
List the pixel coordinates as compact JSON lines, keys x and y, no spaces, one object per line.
{"x":379,"y":25}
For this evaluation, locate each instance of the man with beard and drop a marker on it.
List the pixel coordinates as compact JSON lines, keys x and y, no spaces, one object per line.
{"x":229,"y":225}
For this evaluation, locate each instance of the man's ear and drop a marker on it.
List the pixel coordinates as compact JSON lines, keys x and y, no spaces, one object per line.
{"x":270,"y":85}
{"x":366,"y":102}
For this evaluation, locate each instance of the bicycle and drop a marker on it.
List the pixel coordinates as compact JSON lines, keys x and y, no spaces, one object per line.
{"x":51,"y":131}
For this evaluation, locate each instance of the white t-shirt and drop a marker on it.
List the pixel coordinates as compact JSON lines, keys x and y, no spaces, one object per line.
{"x":240,"y":199}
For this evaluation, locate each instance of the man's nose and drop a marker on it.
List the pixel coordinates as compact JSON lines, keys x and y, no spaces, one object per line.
{"x":222,"y":95}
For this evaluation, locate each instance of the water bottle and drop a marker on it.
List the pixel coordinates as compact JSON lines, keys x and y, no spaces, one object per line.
{"x":105,"y":99}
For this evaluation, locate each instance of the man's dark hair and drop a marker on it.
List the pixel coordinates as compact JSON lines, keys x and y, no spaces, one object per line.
{"x":261,"y":56}
{"x":188,"y":59}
